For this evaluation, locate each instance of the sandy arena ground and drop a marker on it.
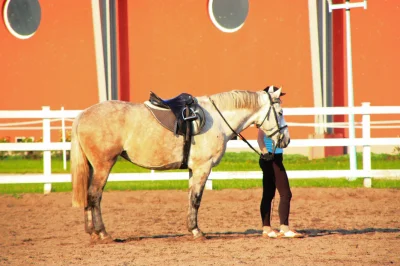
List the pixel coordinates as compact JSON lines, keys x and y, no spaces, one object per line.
{"x":343,"y":227}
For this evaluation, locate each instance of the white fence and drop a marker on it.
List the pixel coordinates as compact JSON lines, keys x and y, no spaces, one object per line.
{"x":366,"y":142}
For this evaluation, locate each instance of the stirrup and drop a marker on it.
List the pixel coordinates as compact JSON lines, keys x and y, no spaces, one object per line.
{"x":192,"y":114}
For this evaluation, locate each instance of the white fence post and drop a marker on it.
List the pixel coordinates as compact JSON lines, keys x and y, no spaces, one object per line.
{"x":63,"y":138}
{"x":209,"y":185}
{"x":46,"y":154}
{"x":366,"y":134}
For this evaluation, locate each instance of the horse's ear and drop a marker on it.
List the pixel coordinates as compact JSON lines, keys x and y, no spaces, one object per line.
{"x":271,"y":89}
{"x":277,"y":93}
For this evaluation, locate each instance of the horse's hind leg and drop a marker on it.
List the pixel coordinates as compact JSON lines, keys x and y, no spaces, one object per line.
{"x":89,"y":228}
{"x":93,"y":219}
{"x":198,"y":178}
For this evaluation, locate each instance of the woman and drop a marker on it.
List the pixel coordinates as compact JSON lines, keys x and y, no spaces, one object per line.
{"x":274,"y":177}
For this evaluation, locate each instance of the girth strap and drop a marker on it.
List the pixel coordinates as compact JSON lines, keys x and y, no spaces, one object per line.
{"x":188,"y":139}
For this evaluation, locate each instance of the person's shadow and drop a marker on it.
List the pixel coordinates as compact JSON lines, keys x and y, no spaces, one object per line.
{"x":340,"y":231}
{"x":250,"y":233}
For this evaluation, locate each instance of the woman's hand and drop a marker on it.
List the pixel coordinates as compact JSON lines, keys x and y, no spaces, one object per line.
{"x":267,"y":157}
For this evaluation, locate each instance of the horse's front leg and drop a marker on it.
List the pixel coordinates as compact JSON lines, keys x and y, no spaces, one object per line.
{"x":198,"y":178}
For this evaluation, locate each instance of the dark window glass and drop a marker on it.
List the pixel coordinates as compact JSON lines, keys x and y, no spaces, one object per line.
{"x":228,"y":15}
{"x":22,"y":17}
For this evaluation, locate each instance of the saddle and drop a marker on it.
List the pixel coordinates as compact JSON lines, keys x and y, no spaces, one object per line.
{"x":188,"y":116}
{"x":181,"y":115}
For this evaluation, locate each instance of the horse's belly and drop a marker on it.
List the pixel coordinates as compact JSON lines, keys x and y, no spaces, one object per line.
{"x":152,"y":146}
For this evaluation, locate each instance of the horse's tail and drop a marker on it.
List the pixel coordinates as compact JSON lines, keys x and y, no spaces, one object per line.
{"x":79,"y":169}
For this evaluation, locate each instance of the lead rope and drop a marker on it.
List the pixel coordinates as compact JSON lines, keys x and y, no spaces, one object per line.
{"x":272,"y":210}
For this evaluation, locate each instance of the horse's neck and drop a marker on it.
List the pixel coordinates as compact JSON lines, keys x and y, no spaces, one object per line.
{"x":238,"y":119}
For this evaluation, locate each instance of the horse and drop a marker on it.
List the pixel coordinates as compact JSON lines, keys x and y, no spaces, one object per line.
{"x":109,"y":129}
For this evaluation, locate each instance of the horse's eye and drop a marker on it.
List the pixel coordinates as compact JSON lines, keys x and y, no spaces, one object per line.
{"x":281,"y":113}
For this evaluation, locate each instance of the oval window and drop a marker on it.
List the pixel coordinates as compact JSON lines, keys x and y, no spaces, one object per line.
{"x":22,"y":17}
{"x":228,"y":15}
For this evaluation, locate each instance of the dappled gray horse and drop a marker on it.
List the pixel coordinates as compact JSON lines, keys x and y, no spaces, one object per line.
{"x":108,"y":129}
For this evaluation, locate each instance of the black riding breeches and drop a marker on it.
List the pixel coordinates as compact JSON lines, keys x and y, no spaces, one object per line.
{"x":275,"y":177}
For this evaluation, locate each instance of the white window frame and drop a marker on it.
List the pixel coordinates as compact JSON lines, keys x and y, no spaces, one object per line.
{"x":215,"y":22}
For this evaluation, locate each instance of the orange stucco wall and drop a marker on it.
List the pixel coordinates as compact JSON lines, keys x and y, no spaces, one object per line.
{"x":55,"y":67}
{"x":174,"y":47}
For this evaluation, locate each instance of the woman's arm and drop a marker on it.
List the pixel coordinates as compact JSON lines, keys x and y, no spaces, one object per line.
{"x":260,"y":141}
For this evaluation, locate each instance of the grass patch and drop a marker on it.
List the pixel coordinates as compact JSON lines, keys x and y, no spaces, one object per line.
{"x":243,"y":161}
{"x":304,"y":183}
{"x":17,"y":189}
{"x":232,"y":161}
{"x":148,"y":185}
{"x":327,"y":182}
{"x":385,"y":183}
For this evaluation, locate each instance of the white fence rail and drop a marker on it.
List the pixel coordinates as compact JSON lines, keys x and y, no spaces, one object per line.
{"x":366,"y":141}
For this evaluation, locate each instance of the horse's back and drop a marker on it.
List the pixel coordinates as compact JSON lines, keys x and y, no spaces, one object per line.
{"x":101,"y":128}
{"x":107,"y":117}
{"x":112,"y":127}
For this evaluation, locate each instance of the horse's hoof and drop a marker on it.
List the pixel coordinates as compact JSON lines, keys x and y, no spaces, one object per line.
{"x":101,"y":238}
{"x":198,"y":235}
{"x":94,"y":237}
{"x":106,"y":240}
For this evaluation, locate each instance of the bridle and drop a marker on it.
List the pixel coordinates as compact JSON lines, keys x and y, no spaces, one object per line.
{"x":271,"y":107}
{"x":279,"y":129}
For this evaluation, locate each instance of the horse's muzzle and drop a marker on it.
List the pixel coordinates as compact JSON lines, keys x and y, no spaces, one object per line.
{"x":283,"y":143}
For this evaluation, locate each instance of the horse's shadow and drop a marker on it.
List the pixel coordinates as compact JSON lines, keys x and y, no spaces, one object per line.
{"x":137,"y":238}
{"x":249,"y":233}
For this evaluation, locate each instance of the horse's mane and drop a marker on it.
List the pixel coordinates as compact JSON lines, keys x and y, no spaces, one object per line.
{"x":238,"y":99}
